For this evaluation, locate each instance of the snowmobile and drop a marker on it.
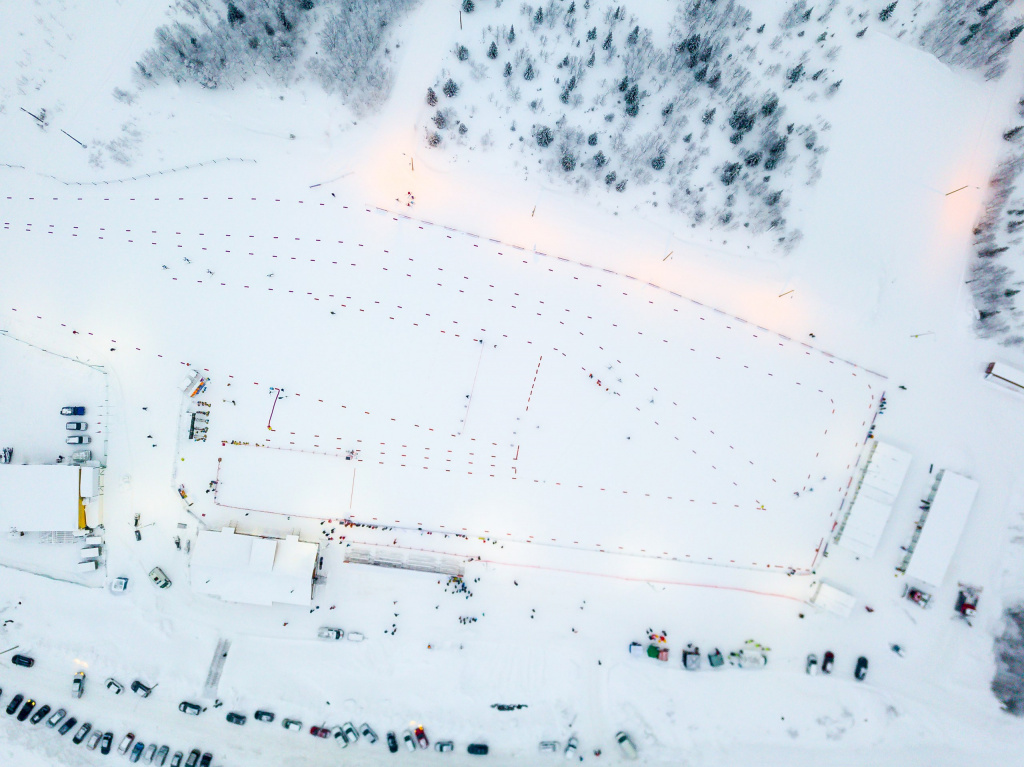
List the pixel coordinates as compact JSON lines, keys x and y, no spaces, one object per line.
{"x":967,"y":601}
{"x":918,"y":597}
{"x":827,"y":661}
{"x":862,"y":668}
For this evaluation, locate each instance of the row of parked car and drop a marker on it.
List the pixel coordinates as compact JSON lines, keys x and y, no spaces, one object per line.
{"x":24,"y":709}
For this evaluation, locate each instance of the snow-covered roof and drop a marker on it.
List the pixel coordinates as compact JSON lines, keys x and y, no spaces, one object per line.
{"x":872,"y":507}
{"x":834,"y":600}
{"x":253,"y":570}
{"x":42,"y":497}
{"x":943,"y":527}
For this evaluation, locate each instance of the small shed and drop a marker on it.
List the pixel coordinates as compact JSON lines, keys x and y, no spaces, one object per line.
{"x":832,"y":599}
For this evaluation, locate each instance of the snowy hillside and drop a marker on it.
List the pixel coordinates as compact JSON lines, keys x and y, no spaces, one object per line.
{"x":352,"y":278}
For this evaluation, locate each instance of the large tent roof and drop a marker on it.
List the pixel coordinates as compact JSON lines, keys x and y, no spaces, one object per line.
{"x":43,"y":497}
{"x":253,"y":570}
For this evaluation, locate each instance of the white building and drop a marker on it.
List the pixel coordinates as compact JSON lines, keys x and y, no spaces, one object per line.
{"x":943,"y":527}
{"x":253,"y":569}
{"x":44,"y":498}
{"x":872,"y":506}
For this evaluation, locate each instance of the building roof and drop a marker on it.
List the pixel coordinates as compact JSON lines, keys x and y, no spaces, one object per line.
{"x":834,"y":600}
{"x":252,"y":569}
{"x":871,"y":509}
{"x":945,"y":523}
{"x":43,"y":497}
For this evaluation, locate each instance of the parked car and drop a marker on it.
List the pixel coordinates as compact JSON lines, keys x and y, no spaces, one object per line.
{"x":78,"y":439}
{"x":115,"y":686}
{"x":105,"y":742}
{"x":76,"y":426}
{"x":126,"y":743}
{"x":191,"y":709}
{"x":193,"y":758}
{"x":292,"y":724}
{"x":444,"y":745}
{"x":177,"y":759}
{"x":478,"y":749}
{"x":205,"y":761}
{"x":319,"y":732}
{"x":326,"y":632}
{"x":94,"y":740}
{"x":264,"y":716}
{"x":68,"y":724}
{"x":410,"y":741}
{"x":367,"y":732}
{"x":626,"y":745}
{"x":78,"y":684}
{"x":348,"y":733}
{"x":119,"y":585}
{"x":40,"y":714}
{"x":234,"y":718}
{"x":827,"y":661}
{"x":136,"y":753}
{"x":570,"y":748}
{"x":14,"y":703}
{"x":159,"y":578}
{"x":861,"y":669}
{"x":83,"y":731}
{"x":549,"y":745}
{"x":421,"y":737}
{"x":392,"y":742}
{"x":812,"y":664}
{"x":150,"y":753}
{"x":23,"y":660}
{"x":161,"y":755}
{"x":72,"y":410}
{"x":140,"y":689}
{"x":26,"y":709}
{"x":54,"y":720}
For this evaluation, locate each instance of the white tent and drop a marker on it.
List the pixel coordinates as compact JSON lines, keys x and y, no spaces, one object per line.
{"x":883,"y":477}
{"x":832,"y":599}
{"x":43,"y":497}
{"x":252,"y":569}
{"x":943,"y":527}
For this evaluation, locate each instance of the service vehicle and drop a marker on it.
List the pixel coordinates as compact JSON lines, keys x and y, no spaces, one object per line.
{"x":159,"y":578}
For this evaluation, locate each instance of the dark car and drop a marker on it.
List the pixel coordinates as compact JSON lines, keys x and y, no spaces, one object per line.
{"x":235,"y":718}
{"x":83,"y":731}
{"x":193,"y":758}
{"x":106,"y":742}
{"x":392,"y":743}
{"x":68,"y":724}
{"x":140,"y":689}
{"x":15,"y":702}
{"x":137,"y":751}
{"x":72,"y":410}
{"x":22,"y":660}
{"x":40,"y":714}
{"x":265,"y":716}
{"x":826,"y":663}
{"x":480,"y":749}
{"x":862,"y":668}
{"x":26,"y":710}
{"x":205,"y":761}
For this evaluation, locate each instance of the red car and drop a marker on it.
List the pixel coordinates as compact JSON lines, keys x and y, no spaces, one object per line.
{"x":319,"y":732}
{"x":421,"y":738}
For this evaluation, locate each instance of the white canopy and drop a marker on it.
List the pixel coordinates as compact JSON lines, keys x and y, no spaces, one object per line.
{"x":887,"y":467}
{"x":253,"y":570}
{"x":943,"y":527}
{"x":43,"y":498}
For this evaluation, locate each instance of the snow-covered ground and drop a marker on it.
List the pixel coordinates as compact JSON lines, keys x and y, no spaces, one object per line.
{"x":451,"y":343}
